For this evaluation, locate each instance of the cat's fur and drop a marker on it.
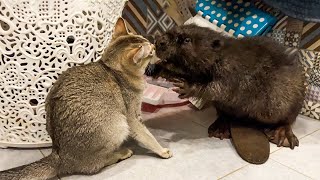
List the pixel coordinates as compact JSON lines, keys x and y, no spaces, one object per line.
{"x":250,"y":78}
{"x":92,"y":109}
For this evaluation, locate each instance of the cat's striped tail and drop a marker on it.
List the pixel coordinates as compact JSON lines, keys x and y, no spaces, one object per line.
{"x":45,"y":168}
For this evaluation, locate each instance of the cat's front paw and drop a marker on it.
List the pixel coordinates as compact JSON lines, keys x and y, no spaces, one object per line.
{"x":127,"y":153}
{"x":166,"y":153}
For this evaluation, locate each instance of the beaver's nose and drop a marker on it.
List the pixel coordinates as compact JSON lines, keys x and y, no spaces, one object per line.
{"x":161,"y":43}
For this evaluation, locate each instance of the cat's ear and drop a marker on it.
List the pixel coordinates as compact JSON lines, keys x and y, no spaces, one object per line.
{"x":120,"y":29}
{"x":217,"y":44}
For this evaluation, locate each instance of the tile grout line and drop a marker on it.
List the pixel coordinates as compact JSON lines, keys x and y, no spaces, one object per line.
{"x":41,"y":153}
{"x":199,"y":124}
{"x":234,"y":171}
{"x":309,"y":134}
{"x":291,"y":168}
{"x":270,"y":158}
{"x":279,"y":148}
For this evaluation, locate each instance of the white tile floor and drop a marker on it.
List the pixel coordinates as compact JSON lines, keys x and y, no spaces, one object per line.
{"x":196,"y":156}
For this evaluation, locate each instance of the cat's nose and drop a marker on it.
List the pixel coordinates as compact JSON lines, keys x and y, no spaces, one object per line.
{"x":152,"y":49}
{"x":152,"y":46}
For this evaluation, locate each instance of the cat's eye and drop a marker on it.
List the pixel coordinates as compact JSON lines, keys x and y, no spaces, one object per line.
{"x":187,"y":40}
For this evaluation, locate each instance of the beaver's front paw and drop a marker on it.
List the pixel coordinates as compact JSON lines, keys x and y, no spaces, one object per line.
{"x":183,"y":88}
{"x":166,"y":153}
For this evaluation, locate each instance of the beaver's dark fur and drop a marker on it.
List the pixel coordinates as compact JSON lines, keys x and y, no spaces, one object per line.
{"x":249,"y":78}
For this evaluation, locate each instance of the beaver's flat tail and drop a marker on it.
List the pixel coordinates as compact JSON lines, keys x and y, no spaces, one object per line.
{"x":250,"y":142}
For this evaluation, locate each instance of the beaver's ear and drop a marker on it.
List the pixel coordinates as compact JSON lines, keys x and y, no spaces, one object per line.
{"x":217,"y":44}
{"x":120,"y":29}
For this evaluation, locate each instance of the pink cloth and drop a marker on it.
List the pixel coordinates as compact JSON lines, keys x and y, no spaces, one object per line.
{"x":159,"y":92}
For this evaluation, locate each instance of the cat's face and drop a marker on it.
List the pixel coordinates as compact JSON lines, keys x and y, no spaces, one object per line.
{"x":133,"y":51}
{"x":186,"y":52}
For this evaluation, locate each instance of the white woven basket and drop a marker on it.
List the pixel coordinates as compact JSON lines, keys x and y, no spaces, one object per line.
{"x":38,"y":40}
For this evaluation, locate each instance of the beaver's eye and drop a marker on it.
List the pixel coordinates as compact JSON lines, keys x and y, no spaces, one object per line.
{"x":187,"y":40}
{"x":178,"y":40}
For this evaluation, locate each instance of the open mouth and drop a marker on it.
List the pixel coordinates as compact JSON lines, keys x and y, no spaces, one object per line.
{"x":152,"y":70}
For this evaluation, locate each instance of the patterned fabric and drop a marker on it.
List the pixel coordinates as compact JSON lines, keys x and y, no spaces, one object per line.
{"x":274,"y":12}
{"x":313,"y":94}
{"x":311,"y":109}
{"x":315,"y":77}
{"x":293,"y":33}
{"x":292,"y":39}
{"x":277,"y":35}
{"x":135,"y":14}
{"x":147,"y":17}
{"x":310,"y":60}
{"x":158,"y":21}
{"x":310,"y":38}
{"x":289,"y":39}
{"x":317,"y":59}
{"x":180,"y":10}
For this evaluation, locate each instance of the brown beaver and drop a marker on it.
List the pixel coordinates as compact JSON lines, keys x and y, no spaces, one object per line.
{"x":250,"y":79}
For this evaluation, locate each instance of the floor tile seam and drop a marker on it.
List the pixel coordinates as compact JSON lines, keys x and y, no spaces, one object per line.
{"x":199,"y":124}
{"x":309,"y":134}
{"x":291,"y":168}
{"x":236,"y":170}
{"x":42,"y":153}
